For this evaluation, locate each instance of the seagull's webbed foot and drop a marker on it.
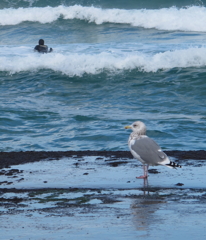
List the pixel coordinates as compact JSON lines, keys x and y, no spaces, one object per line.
{"x":142,"y":177}
{"x":145,"y":176}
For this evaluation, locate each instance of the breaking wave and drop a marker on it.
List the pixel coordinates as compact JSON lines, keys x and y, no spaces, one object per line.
{"x":77,"y":64}
{"x":184,"y":19}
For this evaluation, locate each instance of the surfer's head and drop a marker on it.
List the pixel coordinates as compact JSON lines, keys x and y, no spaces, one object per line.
{"x":41,"y":42}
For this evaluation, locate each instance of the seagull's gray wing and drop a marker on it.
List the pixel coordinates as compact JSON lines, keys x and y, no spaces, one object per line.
{"x":149,"y":151}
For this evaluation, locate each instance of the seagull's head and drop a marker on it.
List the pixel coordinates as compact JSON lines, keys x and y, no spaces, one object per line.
{"x":137,"y":127}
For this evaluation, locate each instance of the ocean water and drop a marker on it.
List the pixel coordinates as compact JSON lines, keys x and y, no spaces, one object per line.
{"x":114,"y":62}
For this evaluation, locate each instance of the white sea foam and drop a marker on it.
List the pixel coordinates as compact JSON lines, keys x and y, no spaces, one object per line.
{"x":185,"y":19}
{"x":76,"y":64}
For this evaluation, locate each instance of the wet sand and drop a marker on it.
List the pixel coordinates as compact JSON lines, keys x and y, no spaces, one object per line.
{"x":95,"y":194}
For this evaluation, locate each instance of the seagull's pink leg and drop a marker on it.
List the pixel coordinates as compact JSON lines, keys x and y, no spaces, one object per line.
{"x":145,"y":168}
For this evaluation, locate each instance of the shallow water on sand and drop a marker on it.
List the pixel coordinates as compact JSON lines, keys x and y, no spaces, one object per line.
{"x":73,"y":197}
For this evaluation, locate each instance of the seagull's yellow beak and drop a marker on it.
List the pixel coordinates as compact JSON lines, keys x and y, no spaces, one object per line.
{"x":127,"y":127}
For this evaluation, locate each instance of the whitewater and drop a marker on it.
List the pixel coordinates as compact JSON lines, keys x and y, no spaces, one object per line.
{"x":76,"y":64}
{"x":163,"y":19}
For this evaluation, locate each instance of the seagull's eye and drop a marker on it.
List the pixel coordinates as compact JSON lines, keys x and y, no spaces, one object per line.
{"x":134,"y":125}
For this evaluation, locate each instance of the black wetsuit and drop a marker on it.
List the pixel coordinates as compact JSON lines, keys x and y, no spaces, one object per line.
{"x":42,"y":49}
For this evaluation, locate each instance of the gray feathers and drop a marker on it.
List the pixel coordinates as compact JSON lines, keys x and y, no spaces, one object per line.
{"x":148,"y":150}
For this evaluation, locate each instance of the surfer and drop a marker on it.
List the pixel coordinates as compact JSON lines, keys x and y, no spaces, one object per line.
{"x":41,"y":48}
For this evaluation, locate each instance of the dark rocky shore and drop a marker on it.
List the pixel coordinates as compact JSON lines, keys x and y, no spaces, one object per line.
{"x":14,"y":158}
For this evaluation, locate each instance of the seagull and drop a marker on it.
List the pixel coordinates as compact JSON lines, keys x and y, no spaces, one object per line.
{"x":146,"y":150}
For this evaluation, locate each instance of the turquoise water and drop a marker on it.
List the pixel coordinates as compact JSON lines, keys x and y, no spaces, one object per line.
{"x":114,"y":62}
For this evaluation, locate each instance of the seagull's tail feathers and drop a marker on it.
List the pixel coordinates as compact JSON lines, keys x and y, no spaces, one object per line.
{"x":166,"y":162}
{"x":173,"y":165}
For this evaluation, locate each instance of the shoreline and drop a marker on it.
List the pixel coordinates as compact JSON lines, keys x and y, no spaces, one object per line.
{"x":96,"y":193}
{"x":15,"y":158}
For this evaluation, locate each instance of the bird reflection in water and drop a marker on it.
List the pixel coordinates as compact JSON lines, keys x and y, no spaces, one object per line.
{"x":145,"y":207}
